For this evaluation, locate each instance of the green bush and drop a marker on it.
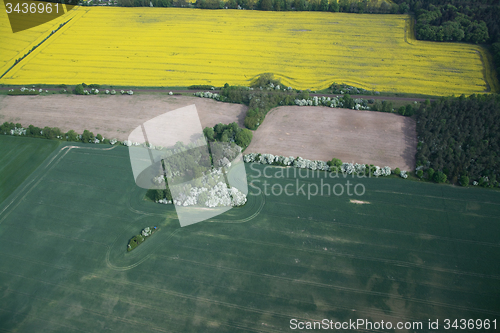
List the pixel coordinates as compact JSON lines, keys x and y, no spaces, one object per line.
{"x":229,"y":133}
{"x":397,"y":171}
{"x":87,"y":136}
{"x":334,"y":162}
{"x":134,"y":242}
{"x":420,"y":174}
{"x":440,"y":177}
{"x":430,"y":173}
{"x":264,"y":80}
{"x":464,"y":181}
{"x":243,"y":138}
{"x":78,"y":89}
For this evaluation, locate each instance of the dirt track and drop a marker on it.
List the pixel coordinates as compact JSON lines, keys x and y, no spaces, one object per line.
{"x":110,"y":116}
{"x":353,"y":136}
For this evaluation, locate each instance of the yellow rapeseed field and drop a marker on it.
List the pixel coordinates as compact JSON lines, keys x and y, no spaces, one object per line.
{"x":14,"y":46}
{"x":180,"y":47}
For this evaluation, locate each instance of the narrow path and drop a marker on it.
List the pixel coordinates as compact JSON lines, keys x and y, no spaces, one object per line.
{"x":182,"y":91}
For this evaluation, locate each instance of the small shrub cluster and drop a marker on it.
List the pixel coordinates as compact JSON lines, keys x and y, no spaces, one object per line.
{"x":140,"y":238}
{"x":80,"y":89}
{"x":335,"y":165}
{"x":229,"y":133}
{"x":201,"y":87}
{"x":346,"y":89}
{"x":23,"y":91}
{"x":335,"y":102}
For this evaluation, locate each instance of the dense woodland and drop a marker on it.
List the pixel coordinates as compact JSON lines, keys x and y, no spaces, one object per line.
{"x":459,"y":140}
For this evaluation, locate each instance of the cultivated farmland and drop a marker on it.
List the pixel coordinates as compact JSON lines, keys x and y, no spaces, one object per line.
{"x":180,"y":47}
{"x":110,"y":116}
{"x":19,"y":157}
{"x":322,"y":133}
{"x":14,"y":46}
{"x":66,"y":268}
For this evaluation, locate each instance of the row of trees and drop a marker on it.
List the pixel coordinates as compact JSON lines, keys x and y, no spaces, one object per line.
{"x":364,"y":6}
{"x":346,"y":6}
{"x":155,"y":3}
{"x":54,"y":133}
{"x":260,"y":97}
{"x":460,"y":138}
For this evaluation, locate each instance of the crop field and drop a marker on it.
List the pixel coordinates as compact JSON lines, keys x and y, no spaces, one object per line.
{"x":413,"y":252}
{"x":180,"y":47}
{"x":19,"y":157}
{"x":322,"y":133}
{"x":110,"y":116}
{"x":14,"y":46}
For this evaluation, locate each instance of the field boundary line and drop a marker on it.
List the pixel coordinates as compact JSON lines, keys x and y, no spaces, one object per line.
{"x":26,"y":59}
{"x":11,"y":64}
{"x":489,"y":71}
{"x":409,"y":30}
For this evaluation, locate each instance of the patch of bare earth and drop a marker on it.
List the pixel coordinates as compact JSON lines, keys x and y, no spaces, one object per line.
{"x":322,"y":133}
{"x":110,"y":116}
{"x":359,"y":202}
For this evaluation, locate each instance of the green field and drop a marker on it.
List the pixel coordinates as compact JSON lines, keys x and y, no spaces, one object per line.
{"x":19,"y":157}
{"x":418,"y":251}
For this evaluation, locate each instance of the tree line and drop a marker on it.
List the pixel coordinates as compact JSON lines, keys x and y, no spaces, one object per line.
{"x":346,"y":6}
{"x":459,"y":140}
{"x":54,"y":133}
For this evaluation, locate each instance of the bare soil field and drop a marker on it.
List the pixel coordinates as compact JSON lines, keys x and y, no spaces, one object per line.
{"x":111,"y":116}
{"x":322,"y":133}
